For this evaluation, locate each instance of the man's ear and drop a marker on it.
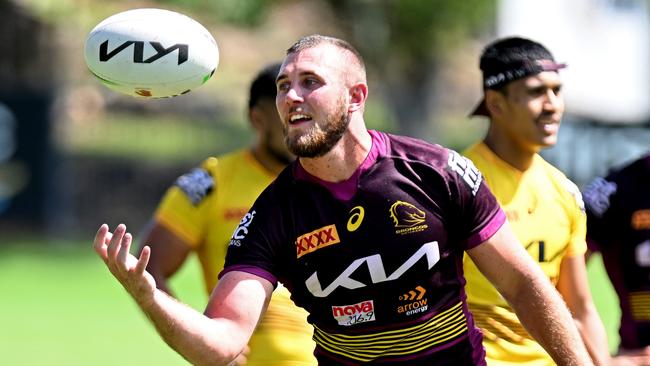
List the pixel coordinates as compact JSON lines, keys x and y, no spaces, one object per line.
{"x":495,"y":102}
{"x":358,"y":96}
{"x":256,"y":116}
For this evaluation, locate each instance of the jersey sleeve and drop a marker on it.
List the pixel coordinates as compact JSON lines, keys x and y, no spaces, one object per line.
{"x":183,"y":208}
{"x":253,"y":246}
{"x":479,"y":213}
{"x":578,"y":218}
{"x":599,"y":196}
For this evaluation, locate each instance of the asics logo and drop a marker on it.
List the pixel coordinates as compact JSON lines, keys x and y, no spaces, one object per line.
{"x":356,"y":218}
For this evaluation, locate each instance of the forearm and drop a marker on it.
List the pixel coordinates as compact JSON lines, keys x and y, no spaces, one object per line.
{"x":203,"y":340}
{"x":199,"y":339}
{"x":541,"y":310}
{"x":544,"y":314}
{"x":594,"y":336}
{"x":162,"y":282}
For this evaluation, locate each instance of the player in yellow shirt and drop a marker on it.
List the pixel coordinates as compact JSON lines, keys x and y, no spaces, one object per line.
{"x":523,"y":100}
{"x":202,"y":209}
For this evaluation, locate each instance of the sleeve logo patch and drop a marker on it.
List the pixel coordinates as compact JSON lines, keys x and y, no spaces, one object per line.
{"x":196,"y":184}
{"x":466,"y":169}
{"x":242,"y":229}
{"x":597,"y":194}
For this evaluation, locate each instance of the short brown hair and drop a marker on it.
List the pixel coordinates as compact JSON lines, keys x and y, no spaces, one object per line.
{"x":314,"y":40}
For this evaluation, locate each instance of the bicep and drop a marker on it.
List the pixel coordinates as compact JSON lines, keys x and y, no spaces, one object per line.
{"x":239,"y":299}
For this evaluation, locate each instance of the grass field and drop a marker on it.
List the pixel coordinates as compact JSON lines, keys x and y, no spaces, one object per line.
{"x":60,"y":306}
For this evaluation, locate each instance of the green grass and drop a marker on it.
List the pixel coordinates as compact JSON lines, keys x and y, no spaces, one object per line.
{"x":61,"y":306}
{"x":605,"y":299}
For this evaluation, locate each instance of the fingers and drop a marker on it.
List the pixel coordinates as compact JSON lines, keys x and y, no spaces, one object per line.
{"x":124,"y":248}
{"x":99,"y":242}
{"x":145,"y":254}
{"x":115,"y":242}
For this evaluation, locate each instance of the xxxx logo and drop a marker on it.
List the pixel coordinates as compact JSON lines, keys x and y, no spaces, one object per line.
{"x":316,"y":239}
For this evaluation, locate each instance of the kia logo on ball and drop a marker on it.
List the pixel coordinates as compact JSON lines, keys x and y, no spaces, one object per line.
{"x":138,"y":51}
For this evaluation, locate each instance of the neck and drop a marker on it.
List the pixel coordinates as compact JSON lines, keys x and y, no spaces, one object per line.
{"x":345,"y":157}
{"x":509,"y":150}
{"x":267,"y":159}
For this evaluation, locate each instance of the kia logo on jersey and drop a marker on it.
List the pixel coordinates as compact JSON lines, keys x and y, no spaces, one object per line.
{"x":376,"y":269}
{"x":316,"y":239}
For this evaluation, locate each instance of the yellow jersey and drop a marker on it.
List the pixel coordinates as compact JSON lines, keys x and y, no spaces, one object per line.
{"x":203,"y":208}
{"x":546,"y":212}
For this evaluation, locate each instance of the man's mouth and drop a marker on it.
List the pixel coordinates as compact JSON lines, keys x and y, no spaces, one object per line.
{"x":298,"y":118}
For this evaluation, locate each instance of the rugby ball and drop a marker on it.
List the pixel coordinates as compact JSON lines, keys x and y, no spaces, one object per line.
{"x":151,"y":53}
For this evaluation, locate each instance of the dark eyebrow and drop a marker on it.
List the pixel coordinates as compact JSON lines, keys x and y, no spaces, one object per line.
{"x":304,"y":73}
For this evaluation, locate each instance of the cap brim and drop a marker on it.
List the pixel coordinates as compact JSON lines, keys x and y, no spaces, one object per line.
{"x":480,"y":110}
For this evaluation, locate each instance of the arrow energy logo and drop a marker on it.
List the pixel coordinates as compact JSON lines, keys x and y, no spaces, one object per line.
{"x":415,"y":302}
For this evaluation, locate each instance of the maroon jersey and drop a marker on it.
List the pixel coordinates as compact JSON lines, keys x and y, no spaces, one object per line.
{"x":618,"y":225}
{"x":376,"y":260}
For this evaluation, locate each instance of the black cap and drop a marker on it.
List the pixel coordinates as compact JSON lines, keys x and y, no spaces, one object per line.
{"x":511,"y":59}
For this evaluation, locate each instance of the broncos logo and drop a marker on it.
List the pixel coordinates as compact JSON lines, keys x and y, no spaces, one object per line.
{"x":405,"y":214}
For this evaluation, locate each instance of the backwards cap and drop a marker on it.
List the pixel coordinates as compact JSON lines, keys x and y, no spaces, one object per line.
{"x":511,"y":59}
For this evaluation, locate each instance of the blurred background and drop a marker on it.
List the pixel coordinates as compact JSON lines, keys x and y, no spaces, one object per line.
{"x":74,"y":155}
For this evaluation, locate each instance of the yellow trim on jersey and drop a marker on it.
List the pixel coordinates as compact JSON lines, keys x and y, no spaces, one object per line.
{"x":446,"y":326}
{"x":499,"y":322}
{"x":640,"y":305}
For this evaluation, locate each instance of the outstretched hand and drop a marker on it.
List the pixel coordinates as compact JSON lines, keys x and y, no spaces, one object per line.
{"x":113,"y":249}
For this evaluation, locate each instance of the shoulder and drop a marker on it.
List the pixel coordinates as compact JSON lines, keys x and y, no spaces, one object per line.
{"x":565,"y":186}
{"x":435,"y":161}
{"x":635,"y":171}
{"x":198,"y":182}
{"x":282,"y":187}
{"x":419,"y":154}
{"x":411,"y":148}
{"x":238,"y":158}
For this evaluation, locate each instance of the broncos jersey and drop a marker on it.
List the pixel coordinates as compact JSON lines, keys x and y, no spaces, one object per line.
{"x":618,"y":225}
{"x":376,"y":260}
{"x":203,"y":208}
{"x":546,"y":213}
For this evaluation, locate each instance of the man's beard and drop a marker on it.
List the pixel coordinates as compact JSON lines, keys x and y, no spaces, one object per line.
{"x":317,"y":142}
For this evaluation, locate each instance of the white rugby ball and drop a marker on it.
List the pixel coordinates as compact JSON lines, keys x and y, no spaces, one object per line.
{"x":151,"y":53}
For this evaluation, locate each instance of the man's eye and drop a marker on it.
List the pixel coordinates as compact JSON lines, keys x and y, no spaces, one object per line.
{"x":537,"y":91}
{"x":283,"y":86}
